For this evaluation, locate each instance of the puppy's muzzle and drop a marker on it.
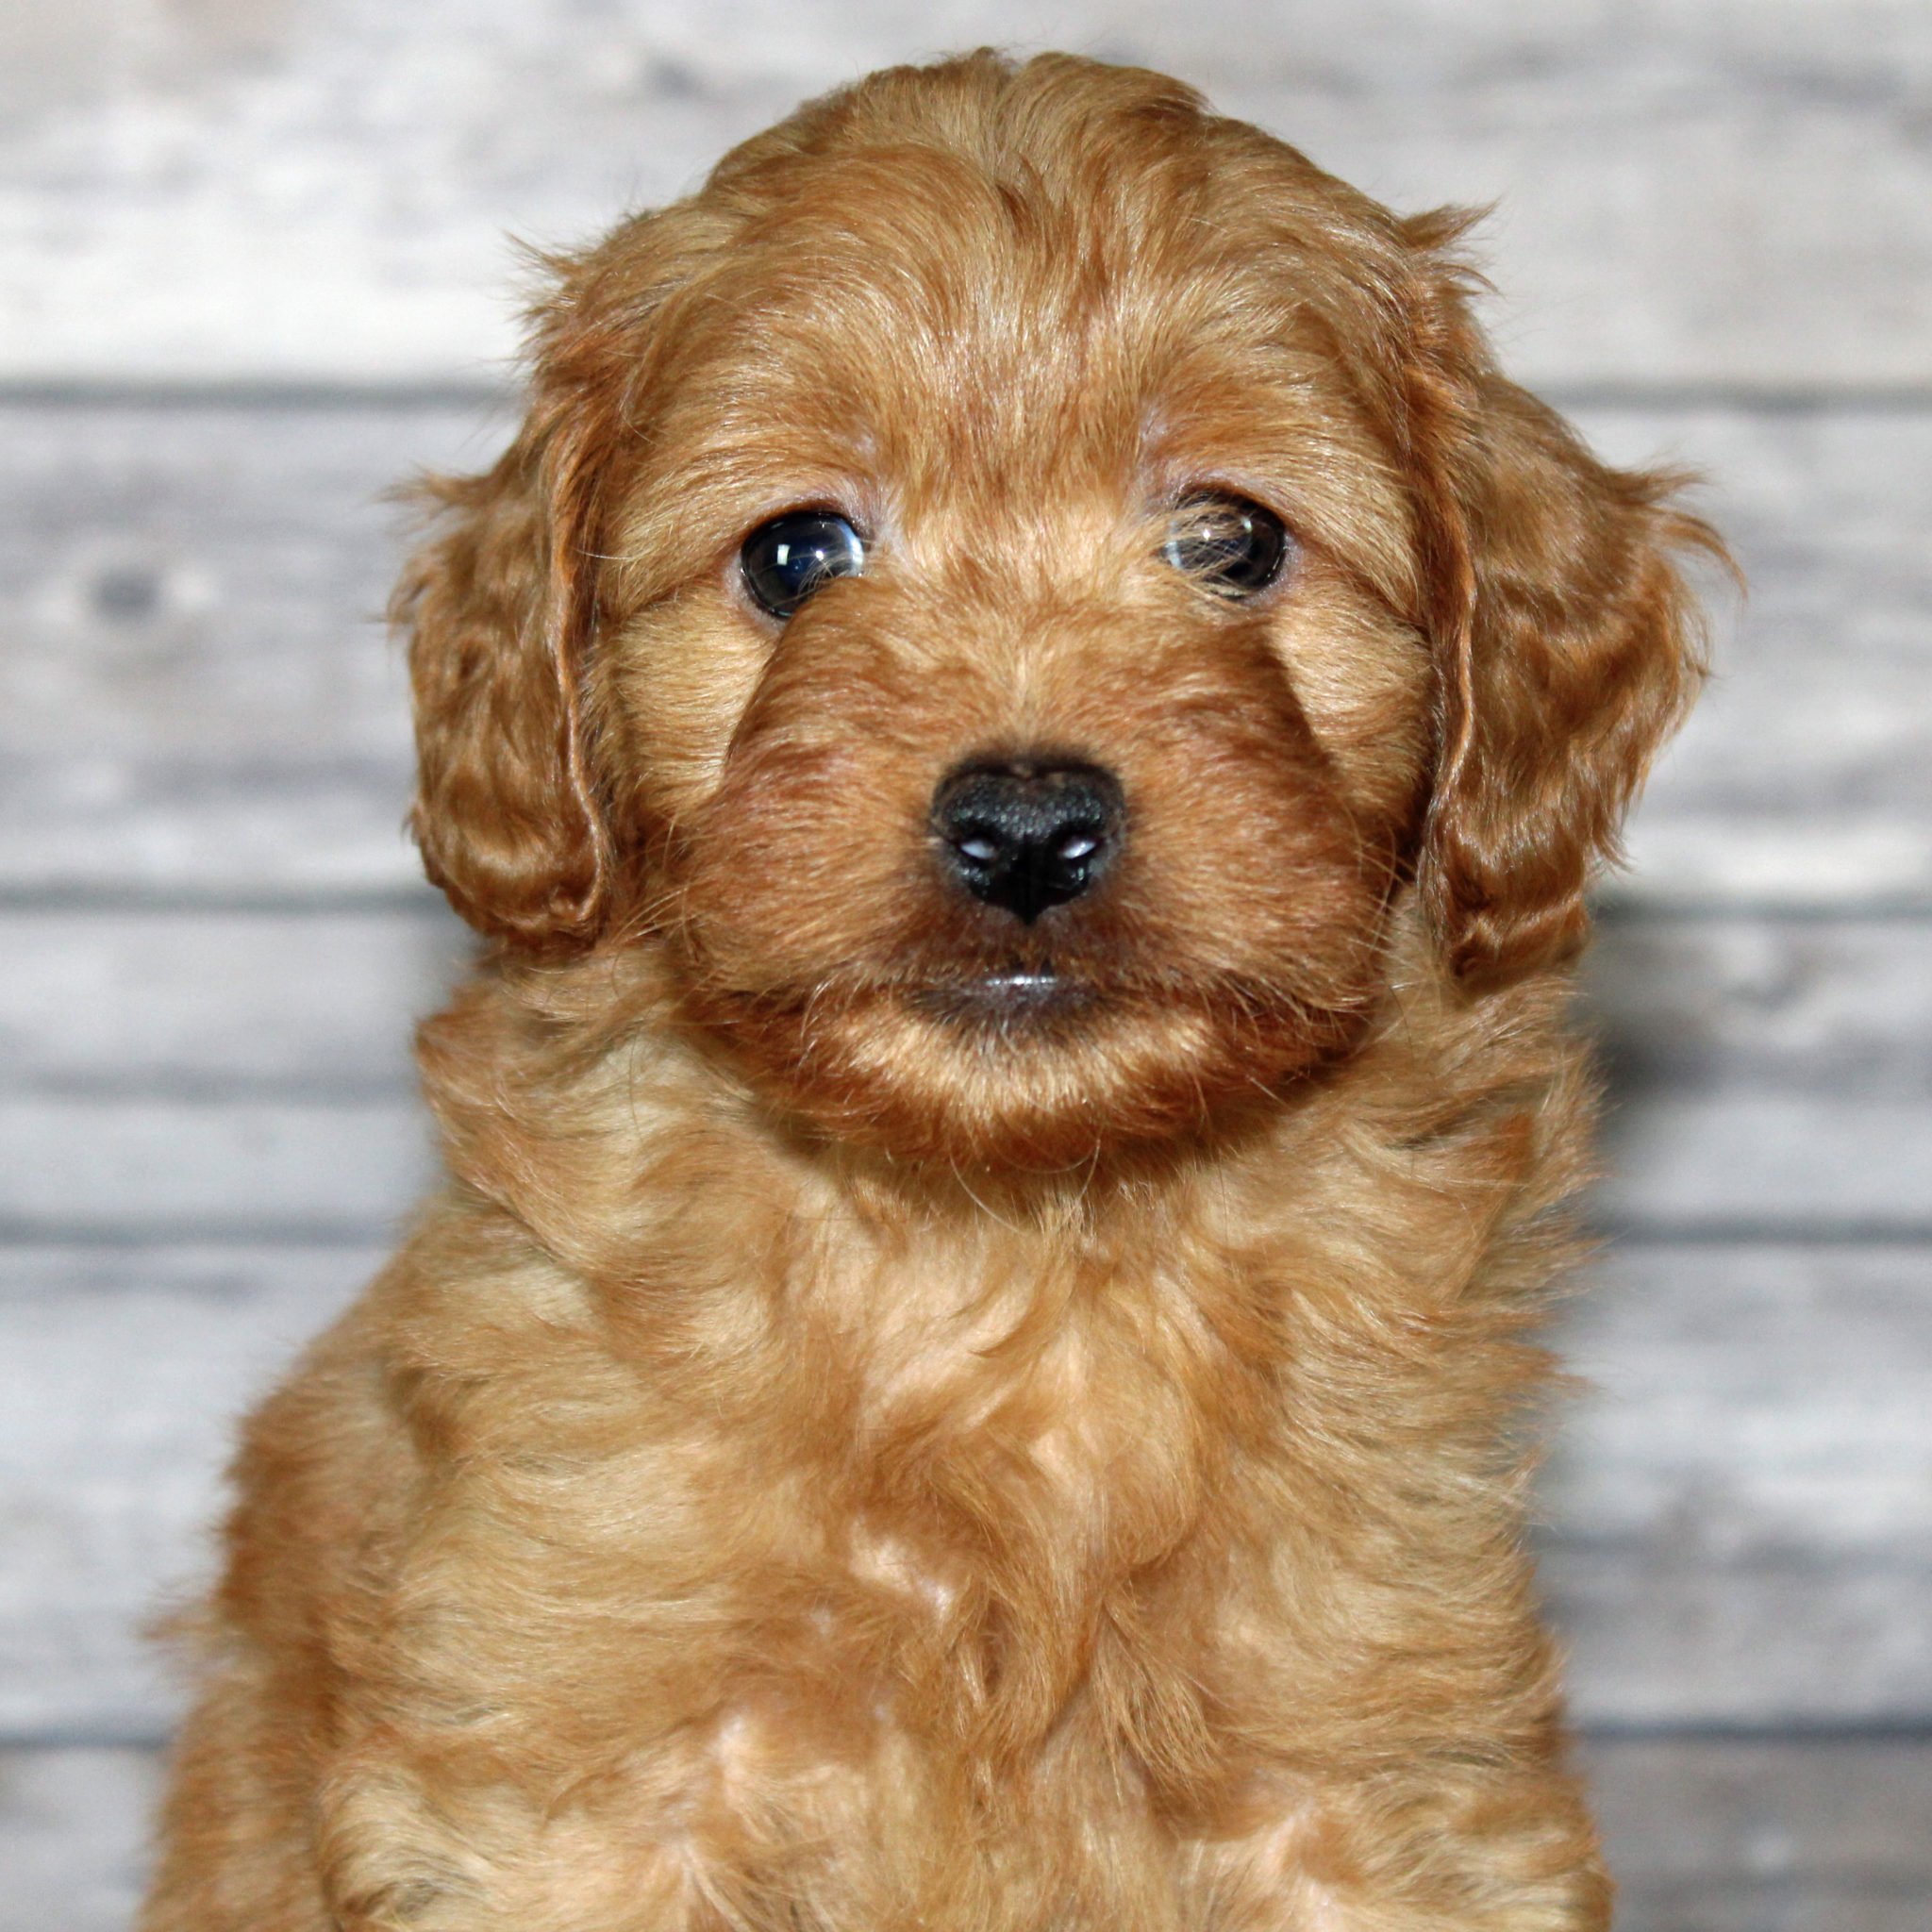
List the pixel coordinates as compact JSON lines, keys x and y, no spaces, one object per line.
{"x":1023,"y":836}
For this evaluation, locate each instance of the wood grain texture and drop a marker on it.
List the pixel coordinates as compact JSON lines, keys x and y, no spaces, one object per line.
{"x":123,"y":1375}
{"x":196,"y":584}
{"x":201,"y":701}
{"x":1767,"y":1836}
{"x":200,"y":690}
{"x":1738,"y":1514}
{"x":1800,"y":778}
{"x":333,"y":1168}
{"x":1739,"y":1521}
{"x":213,"y":193}
{"x":1747,"y":1163}
{"x":1703,"y":1836}
{"x":1803,"y":1005}
{"x":74,"y":1826}
{"x":222,"y":1003}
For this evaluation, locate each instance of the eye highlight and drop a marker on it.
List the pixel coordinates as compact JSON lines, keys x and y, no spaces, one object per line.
{"x":785,"y":560}
{"x":1227,"y":544}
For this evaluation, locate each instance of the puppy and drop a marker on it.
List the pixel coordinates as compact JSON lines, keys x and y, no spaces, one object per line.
{"x":1025,"y":719}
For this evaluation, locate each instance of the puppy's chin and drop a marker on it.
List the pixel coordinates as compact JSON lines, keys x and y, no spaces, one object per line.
{"x":1024,"y":1070}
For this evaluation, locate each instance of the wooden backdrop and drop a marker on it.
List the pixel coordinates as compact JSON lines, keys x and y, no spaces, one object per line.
{"x":252,"y":271}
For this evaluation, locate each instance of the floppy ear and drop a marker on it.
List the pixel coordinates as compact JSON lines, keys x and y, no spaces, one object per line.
{"x":1568,"y":649}
{"x":501,"y":605}
{"x":498,"y":605}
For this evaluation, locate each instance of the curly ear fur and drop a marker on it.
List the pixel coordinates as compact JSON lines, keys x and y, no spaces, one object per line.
{"x":501,"y":610}
{"x":1568,"y":646}
{"x":497,"y":606}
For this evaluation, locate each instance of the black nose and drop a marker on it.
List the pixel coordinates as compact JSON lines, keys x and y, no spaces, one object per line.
{"x":1023,"y":837}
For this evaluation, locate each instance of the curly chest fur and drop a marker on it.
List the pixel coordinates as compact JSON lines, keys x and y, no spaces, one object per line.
{"x":1171,"y":1475}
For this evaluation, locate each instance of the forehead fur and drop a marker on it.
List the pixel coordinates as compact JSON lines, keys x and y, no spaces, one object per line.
{"x":1014,"y":285}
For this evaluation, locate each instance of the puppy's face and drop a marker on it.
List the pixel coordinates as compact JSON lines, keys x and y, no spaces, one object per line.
{"x":1025,"y":616}
{"x":996,"y":653}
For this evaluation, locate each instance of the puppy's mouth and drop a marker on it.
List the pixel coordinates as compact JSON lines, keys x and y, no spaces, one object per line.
{"x":1007,"y":996}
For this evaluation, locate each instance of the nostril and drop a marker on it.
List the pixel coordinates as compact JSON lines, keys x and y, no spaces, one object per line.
{"x":1025,"y":837}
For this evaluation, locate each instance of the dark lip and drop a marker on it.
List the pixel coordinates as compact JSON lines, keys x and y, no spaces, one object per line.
{"x":1018,"y":993}
{"x":1020,"y":986}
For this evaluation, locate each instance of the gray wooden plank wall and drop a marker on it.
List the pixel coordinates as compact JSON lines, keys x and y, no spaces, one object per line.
{"x":251,"y":273}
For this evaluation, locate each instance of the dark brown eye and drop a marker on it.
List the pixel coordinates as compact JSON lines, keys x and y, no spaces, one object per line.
{"x":1227,"y":544}
{"x":784,"y":562}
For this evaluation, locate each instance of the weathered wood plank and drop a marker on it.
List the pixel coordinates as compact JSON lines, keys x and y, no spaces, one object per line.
{"x":123,"y":1375}
{"x":1776,"y":1393}
{"x":73,"y":1837}
{"x":201,"y":585}
{"x":1740,"y":1162}
{"x":1740,"y":1517}
{"x":199,"y":700}
{"x":221,"y":1001}
{"x":335,"y":1167}
{"x":1738,"y":1509}
{"x":1658,"y":1636}
{"x":1801,"y":777}
{"x":106,"y":829}
{"x":1802,"y":1006}
{"x":325,"y":192}
{"x":247,"y":1003}
{"x":248,"y":1071}
{"x":1773,"y":1835}
{"x":199,"y":692}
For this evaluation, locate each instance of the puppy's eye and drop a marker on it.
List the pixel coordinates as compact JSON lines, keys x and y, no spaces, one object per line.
{"x":1225,"y":544}
{"x":784,"y":562}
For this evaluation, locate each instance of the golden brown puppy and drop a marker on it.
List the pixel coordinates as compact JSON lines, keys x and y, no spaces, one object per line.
{"x":1026,"y":718}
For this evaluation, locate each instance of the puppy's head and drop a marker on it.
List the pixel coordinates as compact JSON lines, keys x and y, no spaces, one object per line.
{"x":1008,"y":588}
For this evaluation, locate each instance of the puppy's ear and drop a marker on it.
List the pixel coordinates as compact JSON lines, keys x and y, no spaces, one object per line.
{"x":499,"y":607}
{"x":1568,"y":649}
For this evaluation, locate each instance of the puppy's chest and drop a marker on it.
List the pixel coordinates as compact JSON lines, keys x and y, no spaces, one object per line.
{"x":1074,"y":1404}
{"x":1037,"y":1485}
